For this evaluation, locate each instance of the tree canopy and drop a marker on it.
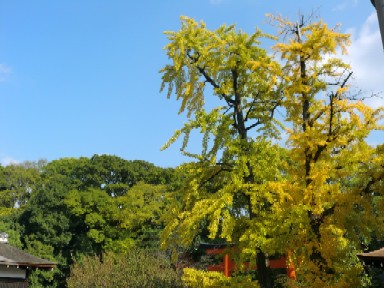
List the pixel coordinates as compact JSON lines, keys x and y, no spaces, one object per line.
{"x":307,"y":198}
{"x":74,"y":207}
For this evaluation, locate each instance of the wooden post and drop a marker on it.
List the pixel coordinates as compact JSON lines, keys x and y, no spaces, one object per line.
{"x":291,"y":273}
{"x":227,"y":272}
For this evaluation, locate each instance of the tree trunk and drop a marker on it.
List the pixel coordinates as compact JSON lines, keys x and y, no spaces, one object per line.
{"x":264,"y":273}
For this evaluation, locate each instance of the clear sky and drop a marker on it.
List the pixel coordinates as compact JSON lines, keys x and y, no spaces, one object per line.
{"x":80,"y":77}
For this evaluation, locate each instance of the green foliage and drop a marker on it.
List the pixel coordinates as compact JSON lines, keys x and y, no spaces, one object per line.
{"x":135,"y":268}
{"x":47,"y":231}
{"x":82,"y":207}
{"x":8,"y":224}
{"x":110,"y":173}
{"x":142,"y":212}
{"x":45,"y":218}
{"x":97,"y":215}
{"x":117,"y":223}
{"x":17,"y":181}
{"x":42,"y":279}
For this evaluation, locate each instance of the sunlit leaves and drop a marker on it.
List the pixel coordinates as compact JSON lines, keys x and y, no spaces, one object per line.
{"x":206,"y":61}
{"x":318,"y":199}
{"x":195,"y":279}
{"x":327,"y":133}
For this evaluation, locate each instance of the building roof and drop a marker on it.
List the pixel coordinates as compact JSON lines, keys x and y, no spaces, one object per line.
{"x":374,"y":254}
{"x":12,"y":256}
{"x":374,"y":258}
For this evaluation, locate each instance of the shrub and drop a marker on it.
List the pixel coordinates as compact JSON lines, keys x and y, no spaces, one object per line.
{"x":136,"y":268}
{"x":196,"y":278}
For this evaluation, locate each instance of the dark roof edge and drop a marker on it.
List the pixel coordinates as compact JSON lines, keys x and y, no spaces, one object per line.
{"x":26,"y":264}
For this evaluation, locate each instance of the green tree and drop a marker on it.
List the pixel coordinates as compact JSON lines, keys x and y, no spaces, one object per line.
{"x":107,"y":172}
{"x":98,"y":220}
{"x":17,"y":181}
{"x":118,"y":223}
{"x":47,"y":231}
{"x":142,"y":212}
{"x":80,"y":206}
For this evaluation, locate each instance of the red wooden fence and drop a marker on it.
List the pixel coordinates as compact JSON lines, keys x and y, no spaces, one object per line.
{"x":227,"y":266}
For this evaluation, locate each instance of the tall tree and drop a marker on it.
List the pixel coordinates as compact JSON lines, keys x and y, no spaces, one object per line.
{"x":328,"y":209}
{"x":228,"y":70}
{"x":247,"y":190}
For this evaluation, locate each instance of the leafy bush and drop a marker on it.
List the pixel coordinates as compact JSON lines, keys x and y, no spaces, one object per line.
{"x":136,"y":268}
{"x":196,"y":278}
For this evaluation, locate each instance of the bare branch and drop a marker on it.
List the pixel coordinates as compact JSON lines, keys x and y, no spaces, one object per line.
{"x":209,"y":79}
{"x":344,"y":82}
{"x":251,"y":108}
{"x":253,"y":125}
{"x":210,"y":178}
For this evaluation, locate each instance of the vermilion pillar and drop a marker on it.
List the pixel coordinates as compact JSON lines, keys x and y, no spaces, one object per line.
{"x":227,"y":272}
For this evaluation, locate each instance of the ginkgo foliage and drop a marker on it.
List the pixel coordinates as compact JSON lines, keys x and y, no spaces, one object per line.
{"x":308,"y":199}
{"x":229,"y":68}
{"x":329,"y":211}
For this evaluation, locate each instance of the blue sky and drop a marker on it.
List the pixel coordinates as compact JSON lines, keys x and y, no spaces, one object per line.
{"x":80,"y":77}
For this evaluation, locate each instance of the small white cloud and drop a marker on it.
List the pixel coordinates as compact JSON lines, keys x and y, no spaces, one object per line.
{"x":215,"y":2}
{"x":366,"y":57}
{"x":4,"y":69}
{"x":4,"y":72}
{"x":345,"y":4}
{"x":5,"y":161}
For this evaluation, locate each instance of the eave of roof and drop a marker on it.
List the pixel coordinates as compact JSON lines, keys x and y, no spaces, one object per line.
{"x":376,"y":254}
{"x":11,"y":256}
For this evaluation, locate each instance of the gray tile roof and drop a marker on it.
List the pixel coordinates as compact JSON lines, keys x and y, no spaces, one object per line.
{"x":12,"y":256}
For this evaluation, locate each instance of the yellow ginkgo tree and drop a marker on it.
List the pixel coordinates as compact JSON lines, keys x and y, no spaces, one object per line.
{"x":330,"y":202}
{"x":300,"y":200}
{"x":229,"y":87}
